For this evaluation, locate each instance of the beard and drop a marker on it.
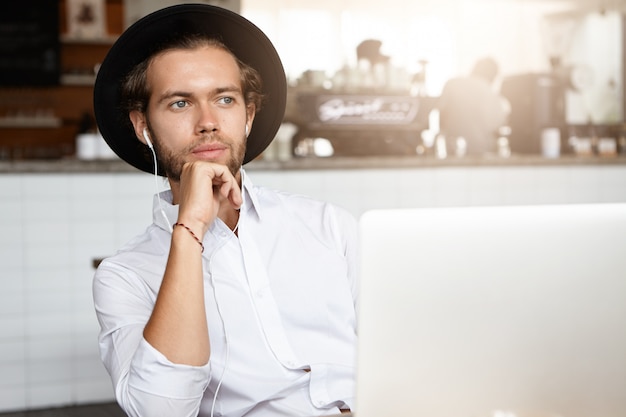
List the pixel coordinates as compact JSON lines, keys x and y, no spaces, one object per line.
{"x":172,"y":161}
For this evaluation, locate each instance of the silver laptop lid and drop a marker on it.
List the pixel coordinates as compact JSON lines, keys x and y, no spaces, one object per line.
{"x":493,"y":312}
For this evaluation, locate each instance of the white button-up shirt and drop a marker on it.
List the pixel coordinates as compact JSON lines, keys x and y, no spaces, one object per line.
{"x":280,"y":304}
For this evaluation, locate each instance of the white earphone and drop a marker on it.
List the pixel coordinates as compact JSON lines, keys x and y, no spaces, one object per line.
{"x":247,"y":130}
{"x":145,"y":136}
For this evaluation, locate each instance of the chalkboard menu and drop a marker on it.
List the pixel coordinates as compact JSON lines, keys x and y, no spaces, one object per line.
{"x":29,"y":43}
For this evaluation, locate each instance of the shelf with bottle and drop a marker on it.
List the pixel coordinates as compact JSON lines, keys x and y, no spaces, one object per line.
{"x":21,"y":108}
{"x":81,"y":60}
{"x":30,"y":122}
{"x":67,"y":39}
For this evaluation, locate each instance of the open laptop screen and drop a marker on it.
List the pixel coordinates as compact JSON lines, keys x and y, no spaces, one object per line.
{"x":493,"y":312}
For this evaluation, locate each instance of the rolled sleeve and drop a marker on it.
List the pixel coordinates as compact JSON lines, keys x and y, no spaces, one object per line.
{"x":154,"y":386}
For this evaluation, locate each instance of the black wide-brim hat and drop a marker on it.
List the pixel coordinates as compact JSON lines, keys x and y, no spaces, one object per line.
{"x":145,"y":36}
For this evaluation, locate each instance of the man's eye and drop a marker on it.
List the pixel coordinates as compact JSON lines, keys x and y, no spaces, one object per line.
{"x":179,"y":104}
{"x":227,"y":100}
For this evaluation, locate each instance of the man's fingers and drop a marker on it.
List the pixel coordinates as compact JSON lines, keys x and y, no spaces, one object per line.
{"x":224,"y":181}
{"x":232,"y":192}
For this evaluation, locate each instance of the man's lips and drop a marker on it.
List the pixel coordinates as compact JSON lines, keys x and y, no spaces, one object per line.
{"x":209,"y":149}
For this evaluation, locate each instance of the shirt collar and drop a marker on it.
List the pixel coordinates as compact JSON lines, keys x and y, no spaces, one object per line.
{"x":250,"y":199}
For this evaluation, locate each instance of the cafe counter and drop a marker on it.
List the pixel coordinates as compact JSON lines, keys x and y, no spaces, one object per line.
{"x":363,"y":183}
{"x":320,"y":163}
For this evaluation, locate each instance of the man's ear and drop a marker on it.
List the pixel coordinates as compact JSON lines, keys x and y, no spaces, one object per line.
{"x":138,"y":120}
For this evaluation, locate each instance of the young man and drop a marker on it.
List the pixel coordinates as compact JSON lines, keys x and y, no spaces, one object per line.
{"x":237,"y":300}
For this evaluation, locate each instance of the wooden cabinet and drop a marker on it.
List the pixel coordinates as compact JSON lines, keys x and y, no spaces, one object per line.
{"x":42,"y":122}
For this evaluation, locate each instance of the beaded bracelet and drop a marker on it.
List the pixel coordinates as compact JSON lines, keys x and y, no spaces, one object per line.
{"x":192,"y":234}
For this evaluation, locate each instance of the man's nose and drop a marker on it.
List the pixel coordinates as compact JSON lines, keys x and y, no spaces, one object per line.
{"x":207,"y":119}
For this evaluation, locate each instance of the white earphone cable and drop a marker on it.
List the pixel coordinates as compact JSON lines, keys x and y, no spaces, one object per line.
{"x":156,"y":185}
{"x":226,"y":346}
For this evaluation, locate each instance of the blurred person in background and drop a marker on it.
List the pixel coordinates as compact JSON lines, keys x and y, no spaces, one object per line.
{"x":471,"y":111}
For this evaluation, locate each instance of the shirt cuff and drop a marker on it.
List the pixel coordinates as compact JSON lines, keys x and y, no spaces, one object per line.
{"x":153,"y":373}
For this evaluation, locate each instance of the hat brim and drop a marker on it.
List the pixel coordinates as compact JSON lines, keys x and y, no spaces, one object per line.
{"x":142,"y":39}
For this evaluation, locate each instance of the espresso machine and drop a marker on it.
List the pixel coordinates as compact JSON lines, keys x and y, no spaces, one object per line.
{"x":537,"y":102}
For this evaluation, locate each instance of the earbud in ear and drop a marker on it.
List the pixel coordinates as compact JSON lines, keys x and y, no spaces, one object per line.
{"x":145,"y":136}
{"x":247,"y":131}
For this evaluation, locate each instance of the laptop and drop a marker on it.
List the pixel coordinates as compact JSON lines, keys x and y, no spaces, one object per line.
{"x":514,"y":311}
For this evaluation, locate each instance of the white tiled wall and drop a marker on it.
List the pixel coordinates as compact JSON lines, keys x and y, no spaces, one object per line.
{"x":360,"y":190}
{"x":52,"y":226}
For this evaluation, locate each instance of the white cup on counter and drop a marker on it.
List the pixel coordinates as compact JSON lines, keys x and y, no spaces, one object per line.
{"x":551,"y":142}
{"x":87,"y":146}
{"x":91,"y":146}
